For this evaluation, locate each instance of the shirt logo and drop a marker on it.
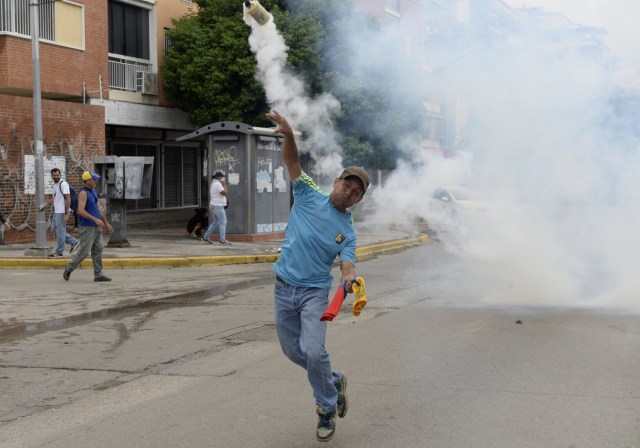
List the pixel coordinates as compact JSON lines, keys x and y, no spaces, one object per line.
{"x":340,"y":238}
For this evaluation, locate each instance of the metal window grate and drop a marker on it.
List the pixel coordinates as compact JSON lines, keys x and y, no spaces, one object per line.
{"x":167,"y":41}
{"x":177,"y":170}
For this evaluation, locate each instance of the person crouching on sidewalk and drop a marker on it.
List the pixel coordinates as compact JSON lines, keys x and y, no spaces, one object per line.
{"x":198,"y":222}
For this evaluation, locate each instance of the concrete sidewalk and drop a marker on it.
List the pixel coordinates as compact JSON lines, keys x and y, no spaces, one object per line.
{"x":174,"y":248}
{"x":34,"y":295}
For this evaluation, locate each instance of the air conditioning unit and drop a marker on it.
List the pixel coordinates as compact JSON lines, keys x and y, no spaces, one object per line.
{"x":150,"y":85}
{"x":147,"y":83}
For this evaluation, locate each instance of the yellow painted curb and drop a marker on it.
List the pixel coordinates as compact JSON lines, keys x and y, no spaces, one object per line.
{"x":368,"y":252}
{"x":234,"y":259}
{"x":362,"y":253}
{"x":32,"y":263}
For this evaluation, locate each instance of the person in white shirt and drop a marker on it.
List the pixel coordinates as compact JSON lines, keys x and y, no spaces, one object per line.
{"x":217,"y":203}
{"x":61,"y":207}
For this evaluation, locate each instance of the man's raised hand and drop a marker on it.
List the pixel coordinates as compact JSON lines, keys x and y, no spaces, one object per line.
{"x":283,"y":124}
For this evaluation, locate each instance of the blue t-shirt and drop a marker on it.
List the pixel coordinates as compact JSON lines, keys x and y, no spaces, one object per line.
{"x":315,"y":234}
{"x":90,"y":207}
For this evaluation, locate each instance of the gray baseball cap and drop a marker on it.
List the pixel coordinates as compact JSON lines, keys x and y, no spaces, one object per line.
{"x":358,"y":172}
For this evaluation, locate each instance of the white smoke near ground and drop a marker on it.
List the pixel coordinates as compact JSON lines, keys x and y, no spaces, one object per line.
{"x":286,"y":93}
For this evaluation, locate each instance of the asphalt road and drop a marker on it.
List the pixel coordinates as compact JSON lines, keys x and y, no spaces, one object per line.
{"x":429,"y":365}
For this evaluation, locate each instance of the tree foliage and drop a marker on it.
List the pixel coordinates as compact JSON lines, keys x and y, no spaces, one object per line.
{"x":210,"y":73}
{"x":209,"y":70}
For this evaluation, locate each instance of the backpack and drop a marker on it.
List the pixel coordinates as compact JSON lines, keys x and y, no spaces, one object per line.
{"x":74,"y":198}
{"x":73,"y":194}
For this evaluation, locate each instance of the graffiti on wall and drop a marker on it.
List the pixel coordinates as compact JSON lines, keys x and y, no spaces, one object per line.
{"x":227,"y":161}
{"x":227,"y":158}
{"x":17,"y":174}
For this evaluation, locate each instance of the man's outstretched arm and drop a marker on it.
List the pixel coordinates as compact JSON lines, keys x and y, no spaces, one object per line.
{"x":290,"y":155}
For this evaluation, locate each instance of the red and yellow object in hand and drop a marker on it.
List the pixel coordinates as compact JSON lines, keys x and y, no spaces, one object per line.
{"x":334,"y":307}
{"x":361,"y":296}
{"x":361,"y":299}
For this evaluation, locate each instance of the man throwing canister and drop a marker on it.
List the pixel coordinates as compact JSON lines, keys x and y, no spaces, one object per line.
{"x":320,"y":227}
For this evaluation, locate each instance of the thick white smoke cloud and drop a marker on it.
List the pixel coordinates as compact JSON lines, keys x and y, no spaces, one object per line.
{"x":560,"y":232}
{"x":286,"y":93}
{"x":560,"y":201}
{"x":558,"y":223}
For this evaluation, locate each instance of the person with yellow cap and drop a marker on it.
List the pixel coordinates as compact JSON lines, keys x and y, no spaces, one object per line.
{"x":320,"y":227}
{"x":92,"y":223}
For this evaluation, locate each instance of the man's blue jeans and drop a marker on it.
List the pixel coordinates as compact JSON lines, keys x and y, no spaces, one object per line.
{"x":59,"y":229}
{"x":217,"y":217}
{"x":302,"y":335}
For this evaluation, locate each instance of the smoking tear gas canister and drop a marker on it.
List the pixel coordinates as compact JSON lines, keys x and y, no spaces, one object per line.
{"x":257,"y":11}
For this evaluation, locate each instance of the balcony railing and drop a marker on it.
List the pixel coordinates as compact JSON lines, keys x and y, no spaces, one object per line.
{"x":126,"y":73}
{"x":15,"y":18}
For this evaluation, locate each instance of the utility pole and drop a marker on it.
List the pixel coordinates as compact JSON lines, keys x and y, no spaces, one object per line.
{"x":38,"y":143}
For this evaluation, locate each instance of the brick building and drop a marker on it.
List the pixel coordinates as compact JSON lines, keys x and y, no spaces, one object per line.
{"x":101,"y":94}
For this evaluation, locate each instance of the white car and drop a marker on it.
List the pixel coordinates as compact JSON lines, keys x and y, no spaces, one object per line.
{"x":453,"y":206}
{"x":459,"y":198}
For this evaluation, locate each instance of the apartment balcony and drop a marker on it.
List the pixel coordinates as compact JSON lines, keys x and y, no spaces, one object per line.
{"x":132,"y":75}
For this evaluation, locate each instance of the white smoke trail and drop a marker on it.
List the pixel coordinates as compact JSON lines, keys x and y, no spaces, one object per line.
{"x":286,"y":93}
